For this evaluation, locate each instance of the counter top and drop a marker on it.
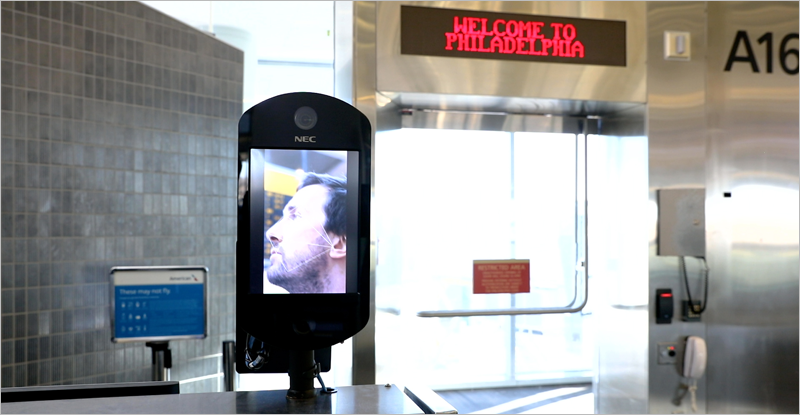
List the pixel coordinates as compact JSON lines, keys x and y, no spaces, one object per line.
{"x":373,"y":399}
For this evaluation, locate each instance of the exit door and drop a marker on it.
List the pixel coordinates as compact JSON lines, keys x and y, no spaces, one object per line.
{"x":445,"y":198}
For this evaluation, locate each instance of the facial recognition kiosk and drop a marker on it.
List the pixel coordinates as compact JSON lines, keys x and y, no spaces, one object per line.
{"x":302,"y":273}
{"x":158,"y":304}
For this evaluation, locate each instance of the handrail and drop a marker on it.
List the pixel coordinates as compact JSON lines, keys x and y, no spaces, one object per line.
{"x":585,"y":263}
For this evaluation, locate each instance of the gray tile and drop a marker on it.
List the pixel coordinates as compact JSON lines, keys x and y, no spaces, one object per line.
{"x":7,"y":276}
{"x":45,"y":303}
{"x":31,"y":26}
{"x":56,"y":370}
{"x":57,"y":33}
{"x":46,"y":272}
{"x":78,"y":14}
{"x":32,"y":372}
{"x":57,"y":316}
{"x":8,"y":353}
{"x":45,"y":370}
{"x":19,"y":325}
{"x":19,"y":275}
{"x":7,"y":203}
{"x":32,"y":271}
{"x":56,"y":57}
{"x":20,"y":226}
{"x":69,"y":325}
{"x":7,"y":98}
{"x":7,"y":307}
{"x":44,"y":9}
{"x":20,"y":370}
{"x":31,"y":306}
{"x":19,"y":307}
{"x":56,"y":346}
{"x":32,"y":349}
{"x":19,"y":124}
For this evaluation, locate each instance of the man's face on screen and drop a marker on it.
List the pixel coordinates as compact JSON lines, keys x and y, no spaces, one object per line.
{"x":300,"y":246}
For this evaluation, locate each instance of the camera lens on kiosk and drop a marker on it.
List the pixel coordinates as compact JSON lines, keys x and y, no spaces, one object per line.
{"x":305,"y":118}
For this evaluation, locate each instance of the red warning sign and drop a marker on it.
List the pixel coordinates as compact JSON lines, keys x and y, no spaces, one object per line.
{"x":508,"y":276}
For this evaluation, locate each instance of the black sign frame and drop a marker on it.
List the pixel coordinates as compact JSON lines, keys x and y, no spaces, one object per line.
{"x":476,"y":34}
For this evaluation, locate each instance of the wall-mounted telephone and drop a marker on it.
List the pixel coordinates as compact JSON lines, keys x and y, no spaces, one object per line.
{"x":694,"y":357}
{"x":693,"y":366}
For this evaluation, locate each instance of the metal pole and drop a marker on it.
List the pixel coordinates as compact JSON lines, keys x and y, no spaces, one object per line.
{"x":161,"y":360}
{"x":302,"y":372}
{"x":159,"y":365}
{"x":229,"y":365}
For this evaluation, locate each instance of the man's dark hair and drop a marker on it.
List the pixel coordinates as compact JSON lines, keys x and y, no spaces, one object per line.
{"x":335,"y":218}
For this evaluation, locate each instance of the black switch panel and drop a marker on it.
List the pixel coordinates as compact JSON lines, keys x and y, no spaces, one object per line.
{"x":664,"y":306}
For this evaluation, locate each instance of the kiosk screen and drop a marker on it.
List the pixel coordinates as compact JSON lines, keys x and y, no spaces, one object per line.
{"x":307,"y":215}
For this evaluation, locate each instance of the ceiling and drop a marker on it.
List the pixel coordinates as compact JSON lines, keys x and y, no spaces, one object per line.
{"x":296,"y":31}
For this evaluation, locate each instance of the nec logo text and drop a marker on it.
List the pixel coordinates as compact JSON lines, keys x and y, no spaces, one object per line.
{"x":305,"y":139}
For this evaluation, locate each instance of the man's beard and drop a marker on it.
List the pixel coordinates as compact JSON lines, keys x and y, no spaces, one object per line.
{"x":304,"y":275}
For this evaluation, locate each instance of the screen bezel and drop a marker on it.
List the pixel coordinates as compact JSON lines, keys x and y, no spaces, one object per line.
{"x":275,"y":318}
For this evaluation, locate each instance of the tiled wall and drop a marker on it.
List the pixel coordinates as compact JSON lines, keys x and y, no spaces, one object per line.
{"x":118,"y":148}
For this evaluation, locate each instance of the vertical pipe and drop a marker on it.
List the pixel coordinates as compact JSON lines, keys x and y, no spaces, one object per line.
{"x":159,"y":365}
{"x":512,"y":353}
{"x":162,"y":360}
{"x":301,"y":374}
{"x":229,"y":364}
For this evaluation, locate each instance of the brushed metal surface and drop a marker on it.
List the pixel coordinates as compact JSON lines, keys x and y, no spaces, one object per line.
{"x":681,"y":222}
{"x":458,"y":120}
{"x":428,"y":400}
{"x":752,"y":323}
{"x":365,"y":399}
{"x":514,"y":105}
{"x":731,"y":132}
{"x":677,"y":141}
{"x":481,"y":77}
{"x":355,"y":74}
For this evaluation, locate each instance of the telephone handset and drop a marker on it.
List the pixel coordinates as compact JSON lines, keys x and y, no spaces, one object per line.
{"x":694,"y":357}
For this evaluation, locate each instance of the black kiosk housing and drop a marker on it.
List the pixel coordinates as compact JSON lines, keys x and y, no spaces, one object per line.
{"x":285,"y":126}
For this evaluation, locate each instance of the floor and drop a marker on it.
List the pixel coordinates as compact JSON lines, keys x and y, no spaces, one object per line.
{"x":561,"y":399}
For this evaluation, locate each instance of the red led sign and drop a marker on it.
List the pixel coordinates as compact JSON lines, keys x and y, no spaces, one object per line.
{"x":512,"y":36}
{"x":486,"y":35}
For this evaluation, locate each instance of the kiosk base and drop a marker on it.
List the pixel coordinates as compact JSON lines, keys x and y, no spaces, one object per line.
{"x":302,"y":372}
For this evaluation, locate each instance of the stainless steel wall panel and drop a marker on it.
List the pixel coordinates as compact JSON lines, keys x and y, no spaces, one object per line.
{"x":439,"y":75}
{"x":355,"y":74}
{"x":730,"y":131}
{"x":753,"y":235}
{"x":676,"y":121}
{"x":514,"y":105}
{"x":456,"y":120}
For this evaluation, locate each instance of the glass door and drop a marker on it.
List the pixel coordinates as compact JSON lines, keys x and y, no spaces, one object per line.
{"x":446,"y":198}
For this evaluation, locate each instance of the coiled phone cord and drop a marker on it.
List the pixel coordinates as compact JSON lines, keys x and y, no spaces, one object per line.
{"x":682,"y":261}
{"x":693,"y":392}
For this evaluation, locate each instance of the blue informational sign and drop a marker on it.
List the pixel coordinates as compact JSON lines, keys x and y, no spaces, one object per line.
{"x":158,"y":303}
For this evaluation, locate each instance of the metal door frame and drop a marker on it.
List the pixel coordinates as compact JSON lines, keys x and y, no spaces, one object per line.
{"x":355,"y":81}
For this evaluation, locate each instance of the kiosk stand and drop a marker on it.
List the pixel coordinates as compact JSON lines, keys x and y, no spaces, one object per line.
{"x":302,"y":372}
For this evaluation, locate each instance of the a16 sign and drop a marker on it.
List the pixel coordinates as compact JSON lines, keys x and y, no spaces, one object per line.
{"x":784,"y":53}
